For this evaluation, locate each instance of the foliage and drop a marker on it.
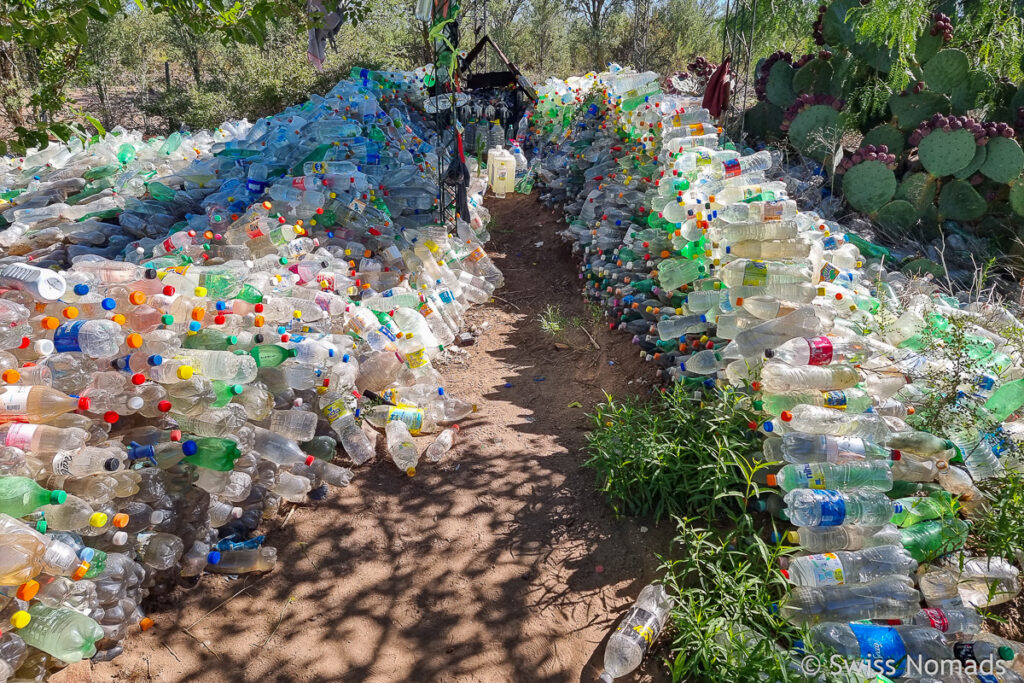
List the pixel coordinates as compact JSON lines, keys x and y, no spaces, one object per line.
{"x":998,"y":531}
{"x":726,"y":584}
{"x":674,"y":455}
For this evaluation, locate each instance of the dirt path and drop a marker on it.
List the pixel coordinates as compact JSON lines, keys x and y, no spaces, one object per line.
{"x":499,"y":564}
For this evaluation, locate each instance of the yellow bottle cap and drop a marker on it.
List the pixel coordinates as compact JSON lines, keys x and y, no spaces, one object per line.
{"x":200,"y":291}
{"x":411,"y":471}
{"x":119,"y":318}
{"x":296,"y":314}
{"x":20,"y":619}
{"x":185,"y":372}
{"x":98,"y":519}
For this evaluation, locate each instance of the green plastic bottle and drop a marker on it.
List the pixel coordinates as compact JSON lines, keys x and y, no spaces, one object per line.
{"x":205,"y":338}
{"x":928,"y":540}
{"x":271,"y":355}
{"x":20,"y":495}
{"x":1006,"y":400}
{"x":321,"y":447}
{"x":97,"y":564}
{"x":225,"y":392}
{"x":916,"y":509}
{"x":126,"y":153}
{"x":250,"y":294}
{"x":64,"y":633}
{"x":211,"y":452}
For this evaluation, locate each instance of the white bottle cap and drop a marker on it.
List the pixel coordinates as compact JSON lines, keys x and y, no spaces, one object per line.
{"x":119,"y":538}
{"x":44,"y":347}
{"x":136,"y":402}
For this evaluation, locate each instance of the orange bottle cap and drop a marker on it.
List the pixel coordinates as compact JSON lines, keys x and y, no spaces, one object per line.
{"x":70,"y":312}
{"x":772,"y":480}
{"x":120,"y":520}
{"x":10,"y":376}
{"x":137,"y":298}
{"x":50,"y":323}
{"x":80,"y":573}
{"x":27,"y":590}
{"x":146,"y":623}
{"x":134,"y":340}
{"x":119,"y":318}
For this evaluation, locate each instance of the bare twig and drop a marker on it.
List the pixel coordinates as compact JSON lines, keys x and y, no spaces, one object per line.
{"x":280,"y":619}
{"x":592,"y":340}
{"x":173,"y":653}
{"x":493,"y":296}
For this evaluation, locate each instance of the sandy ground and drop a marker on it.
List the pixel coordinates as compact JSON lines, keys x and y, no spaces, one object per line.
{"x":501,"y":563}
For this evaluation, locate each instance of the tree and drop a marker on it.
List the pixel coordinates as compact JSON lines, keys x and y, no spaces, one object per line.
{"x":41,"y":49}
{"x":596,"y":14}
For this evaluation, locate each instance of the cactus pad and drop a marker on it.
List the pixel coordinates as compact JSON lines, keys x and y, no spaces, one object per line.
{"x":965,"y":94}
{"x":897,"y":215}
{"x":927,"y":46}
{"x":980,"y":153}
{"x":886,"y":134}
{"x":1017,"y":197}
{"x":1005,"y":160}
{"x":910,"y":109}
{"x":814,"y":77}
{"x":918,"y":189}
{"x":944,"y":153}
{"x":960,"y":202}
{"x":780,"y":85}
{"x":763,"y":120}
{"x":835,"y":27}
{"x":869,"y":185}
{"x":946,"y":70}
{"x":812,"y":129}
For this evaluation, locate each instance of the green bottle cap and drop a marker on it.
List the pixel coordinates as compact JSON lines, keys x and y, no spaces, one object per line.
{"x":57,"y":497}
{"x":167,"y":319}
{"x":41,"y":526}
{"x":232,"y":340}
{"x":236,"y":389}
{"x":1005,"y":653}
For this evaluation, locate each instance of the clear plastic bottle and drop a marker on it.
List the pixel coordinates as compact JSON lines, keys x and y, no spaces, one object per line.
{"x":64,"y":633}
{"x":874,"y":475}
{"x":883,"y":645}
{"x":401,"y":446}
{"x":841,"y":567}
{"x":637,"y":631}
{"x":819,"y":351}
{"x":889,"y":597}
{"x":442,"y":444}
{"x":834,"y":508}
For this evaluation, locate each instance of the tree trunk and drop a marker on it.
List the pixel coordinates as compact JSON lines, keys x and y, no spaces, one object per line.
{"x":10,"y":84}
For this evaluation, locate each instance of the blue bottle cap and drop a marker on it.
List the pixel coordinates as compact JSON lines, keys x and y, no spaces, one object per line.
{"x":86,"y":554}
{"x":221,"y":306}
{"x":213,"y":557}
{"x":189,"y":447}
{"x":81,"y":289}
{"x":108,"y":304}
{"x":139,"y":452}
{"x":194,"y":326}
{"x":155,"y":360}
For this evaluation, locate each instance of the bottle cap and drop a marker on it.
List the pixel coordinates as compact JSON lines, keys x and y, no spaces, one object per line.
{"x":772,"y":481}
{"x":232,"y":340}
{"x":175,"y":435}
{"x":84,"y":403}
{"x":194,"y":326}
{"x":146,"y":623}
{"x":164,"y":406}
{"x":81,"y":289}
{"x":27,"y":590}
{"x":786,"y":416}
{"x":119,"y":538}
{"x":411,"y":471}
{"x":189,"y":447}
{"x":10,"y":376}
{"x":86,"y":554}
{"x":44,"y":347}
{"x":138,"y":379}
{"x":769,"y":353}
{"x":155,"y":360}
{"x":793,"y":537}
{"x":1005,"y":653}
{"x":108,"y":304}
{"x":80,"y":572}
{"x":20,"y":619}
{"x":213,"y":557}
{"x":185,"y":372}
{"x":57,"y":497}
{"x":111,"y":416}
{"x":98,"y":519}
{"x":41,"y":526}
{"x":785,"y":573}
{"x":942,"y":466}
{"x":49,"y":323}
{"x":167,"y":319}
{"x":120,"y":520}
{"x":150,"y":274}
{"x":134,"y":340}
{"x":138,"y":298}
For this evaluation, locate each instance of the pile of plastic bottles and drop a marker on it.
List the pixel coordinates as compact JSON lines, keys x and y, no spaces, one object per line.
{"x":283,"y":288}
{"x":694,"y":249}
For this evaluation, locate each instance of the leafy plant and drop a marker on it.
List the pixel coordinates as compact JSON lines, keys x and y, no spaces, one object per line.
{"x":674,"y":455}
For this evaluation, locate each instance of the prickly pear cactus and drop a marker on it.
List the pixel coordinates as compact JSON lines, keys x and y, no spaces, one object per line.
{"x":980,"y":154}
{"x":1017,"y":196}
{"x":918,"y":189}
{"x":961,"y":202}
{"x":780,"y":84}
{"x":966,"y":94}
{"x":869,"y":185}
{"x":815,"y":77}
{"x":814,"y":125}
{"x":946,"y":70}
{"x":764,"y":120}
{"x":1004,"y":161}
{"x":885,"y":134}
{"x":836,"y":28}
{"x":897,"y":215}
{"x":911,"y":109}
{"x":943,"y":153}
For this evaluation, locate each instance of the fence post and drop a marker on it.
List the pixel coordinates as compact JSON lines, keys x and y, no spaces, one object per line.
{"x":167,"y":75}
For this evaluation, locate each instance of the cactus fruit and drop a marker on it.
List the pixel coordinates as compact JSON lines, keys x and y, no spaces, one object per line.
{"x":869,"y":185}
{"x":1004,"y":161}
{"x":959,"y":201}
{"x":943,"y":153}
{"x":885,"y":134}
{"x":946,"y":70}
{"x":867,"y":153}
{"x":897,"y":215}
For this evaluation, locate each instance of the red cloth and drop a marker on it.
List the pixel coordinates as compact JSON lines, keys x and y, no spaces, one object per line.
{"x":716,"y":96}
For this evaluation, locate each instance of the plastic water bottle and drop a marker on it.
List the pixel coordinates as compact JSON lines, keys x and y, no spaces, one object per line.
{"x":874,"y":475}
{"x":841,"y":567}
{"x":889,"y":597}
{"x":882,"y":644}
{"x":834,"y":508}
{"x":637,"y":631}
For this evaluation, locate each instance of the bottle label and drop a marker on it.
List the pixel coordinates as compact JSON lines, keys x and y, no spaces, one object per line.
{"x":829,"y":272}
{"x":881,"y":644}
{"x":386,"y":331}
{"x":412,"y":417}
{"x":318,"y":167}
{"x":828,"y":569}
{"x":810,"y":476}
{"x":335,"y":410}
{"x":390,"y":395}
{"x":329,"y":278}
{"x":835,"y":399}
{"x":755,"y":274}
{"x":696,"y":129}
{"x":426,"y":311}
{"x":446,"y":296}
{"x":851,"y":446}
{"x":416,"y":359}
{"x":731,"y":168}
{"x":832,"y":507}
{"x":964,"y":652}
{"x":62,"y":462}
{"x":936,"y":618}
{"x":772,"y":211}
{"x":476,"y":254}
{"x":65,"y":338}
{"x":323,"y":301}
{"x":169,"y":245}
{"x":640,"y":627}
{"x":15,"y":400}
{"x":20,"y":436}
{"x":819,"y":351}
